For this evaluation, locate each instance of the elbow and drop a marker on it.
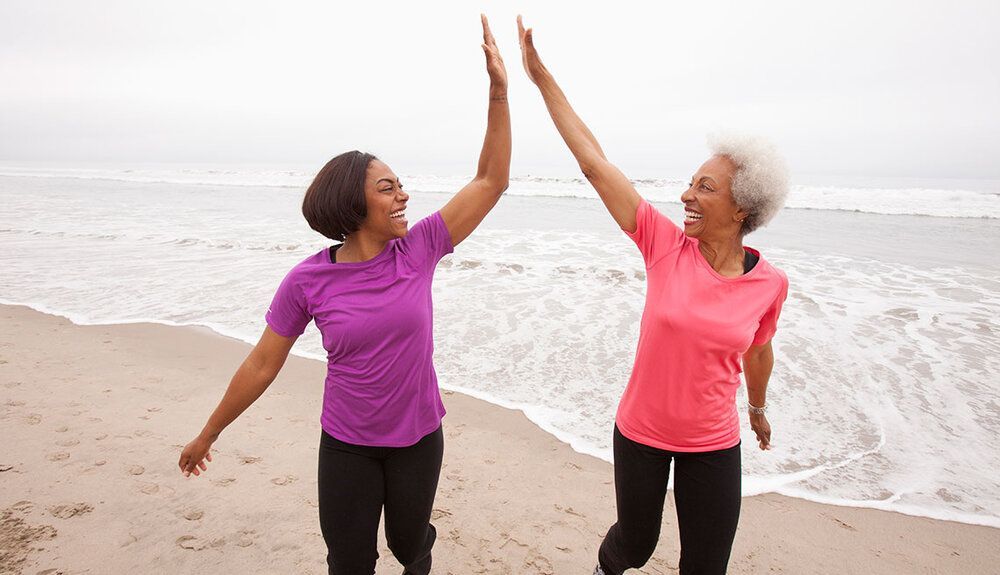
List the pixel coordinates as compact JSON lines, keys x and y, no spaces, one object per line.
{"x":591,"y":167}
{"x":496,"y":186}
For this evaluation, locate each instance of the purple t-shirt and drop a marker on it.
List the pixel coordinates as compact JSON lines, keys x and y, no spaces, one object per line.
{"x":376,"y":319}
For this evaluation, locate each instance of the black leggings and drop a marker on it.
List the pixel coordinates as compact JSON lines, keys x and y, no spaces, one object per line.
{"x":707,"y":496}
{"x":355,"y":482}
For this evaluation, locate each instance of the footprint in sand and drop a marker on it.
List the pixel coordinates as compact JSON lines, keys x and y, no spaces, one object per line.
{"x":136,"y":470}
{"x":149,"y":488}
{"x":101,"y":437}
{"x":191,"y":542}
{"x":197,"y":544}
{"x":5,"y":467}
{"x":15,"y":403}
{"x":62,"y":429}
{"x":439,"y":513}
{"x":154,"y":409}
{"x":285,"y":480}
{"x":70,"y":510}
{"x":245,"y":537}
{"x":193,"y":515}
{"x":142,"y":433}
{"x":33,"y":419}
{"x":248,"y":460}
{"x":60,"y":456}
{"x":68,"y":442}
{"x":100,"y":462}
{"x":224,"y":481}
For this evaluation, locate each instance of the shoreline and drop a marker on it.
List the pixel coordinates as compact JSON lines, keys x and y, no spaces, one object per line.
{"x":96,"y":417}
{"x":217,"y":331}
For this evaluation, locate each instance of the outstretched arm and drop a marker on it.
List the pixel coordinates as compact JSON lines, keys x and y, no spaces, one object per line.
{"x":464,"y":212}
{"x":251,"y":379}
{"x":615,"y":190}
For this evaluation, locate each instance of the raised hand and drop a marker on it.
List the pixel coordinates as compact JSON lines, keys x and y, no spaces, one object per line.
{"x":529,"y":56}
{"x":494,"y":63}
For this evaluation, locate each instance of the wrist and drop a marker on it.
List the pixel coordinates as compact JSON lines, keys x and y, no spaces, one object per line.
{"x":756,"y":410}
{"x":209,"y":435}
{"x":498,"y":93}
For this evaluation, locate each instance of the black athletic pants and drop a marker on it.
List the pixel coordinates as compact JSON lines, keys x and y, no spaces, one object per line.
{"x":356,"y":482}
{"x":707,"y":496}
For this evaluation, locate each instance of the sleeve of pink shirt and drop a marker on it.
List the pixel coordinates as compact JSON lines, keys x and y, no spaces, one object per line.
{"x":288,"y":313}
{"x":769,"y":322}
{"x":655,"y":234}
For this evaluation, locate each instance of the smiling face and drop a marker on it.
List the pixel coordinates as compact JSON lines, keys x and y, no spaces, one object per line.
{"x":385,"y":203}
{"x":709,"y":209}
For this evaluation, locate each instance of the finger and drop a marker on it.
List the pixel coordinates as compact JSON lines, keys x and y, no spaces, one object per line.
{"x":528,"y":38}
{"x":202,"y":466}
{"x":487,"y":33}
{"x":520,"y":27}
{"x":208,"y":456}
{"x":195,"y":471}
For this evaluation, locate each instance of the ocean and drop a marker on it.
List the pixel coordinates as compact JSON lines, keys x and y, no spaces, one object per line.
{"x":886,"y":388}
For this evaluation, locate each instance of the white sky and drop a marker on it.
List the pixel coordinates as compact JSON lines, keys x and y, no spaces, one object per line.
{"x":907,"y":88}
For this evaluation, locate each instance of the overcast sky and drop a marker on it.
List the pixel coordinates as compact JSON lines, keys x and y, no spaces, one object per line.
{"x":845,"y":88}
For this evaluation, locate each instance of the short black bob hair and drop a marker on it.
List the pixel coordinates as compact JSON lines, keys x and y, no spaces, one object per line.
{"x":334,"y":204}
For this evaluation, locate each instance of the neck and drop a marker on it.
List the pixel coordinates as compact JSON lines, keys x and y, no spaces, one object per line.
{"x":360,"y":247}
{"x":725,"y":255}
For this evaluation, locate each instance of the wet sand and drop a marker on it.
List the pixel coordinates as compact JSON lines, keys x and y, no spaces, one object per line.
{"x":94,"y":417}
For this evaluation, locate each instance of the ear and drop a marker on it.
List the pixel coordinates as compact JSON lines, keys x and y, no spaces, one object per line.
{"x":740,"y":215}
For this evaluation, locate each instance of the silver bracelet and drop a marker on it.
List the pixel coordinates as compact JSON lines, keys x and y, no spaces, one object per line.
{"x":754,"y":410}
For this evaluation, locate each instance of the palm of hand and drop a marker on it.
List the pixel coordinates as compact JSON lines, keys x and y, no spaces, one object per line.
{"x":494,"y":62}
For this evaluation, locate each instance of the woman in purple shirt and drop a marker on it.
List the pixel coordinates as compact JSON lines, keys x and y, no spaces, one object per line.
{"x":370,"y":297}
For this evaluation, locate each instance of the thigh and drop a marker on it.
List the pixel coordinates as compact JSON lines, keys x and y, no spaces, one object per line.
{"x":411,"y":480}
{"x":707,"y":495}
{"x":641,"y":475}
{"x":351,"y":494}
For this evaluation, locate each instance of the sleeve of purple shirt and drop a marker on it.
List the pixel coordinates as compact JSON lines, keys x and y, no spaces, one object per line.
{"x":288,"y":315}
{"x":428,"y":241}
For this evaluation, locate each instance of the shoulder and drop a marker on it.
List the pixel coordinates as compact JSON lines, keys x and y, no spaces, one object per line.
{"x":773,"y":275}
{"x":309,"y":265}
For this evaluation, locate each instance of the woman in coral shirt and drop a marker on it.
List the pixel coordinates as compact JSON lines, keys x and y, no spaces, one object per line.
{"x":712,"y":306}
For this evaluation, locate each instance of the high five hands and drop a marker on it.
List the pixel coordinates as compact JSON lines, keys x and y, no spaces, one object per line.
{"x":494,"y":63}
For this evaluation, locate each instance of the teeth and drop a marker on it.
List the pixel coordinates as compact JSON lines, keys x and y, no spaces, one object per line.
{"x":398,"y":214}
{"x":692,"y":215}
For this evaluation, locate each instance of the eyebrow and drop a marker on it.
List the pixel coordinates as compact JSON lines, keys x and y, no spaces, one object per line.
{"x":706,"y":178}
{"x":390,"y":180}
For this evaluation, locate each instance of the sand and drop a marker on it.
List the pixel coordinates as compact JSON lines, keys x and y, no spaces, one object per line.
{"x":93,"y":419}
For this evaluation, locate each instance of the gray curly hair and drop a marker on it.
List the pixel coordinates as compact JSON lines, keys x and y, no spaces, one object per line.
{"x":760,"y":184}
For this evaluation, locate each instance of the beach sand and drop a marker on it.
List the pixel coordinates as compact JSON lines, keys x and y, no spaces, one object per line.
{"x":93,"y":419}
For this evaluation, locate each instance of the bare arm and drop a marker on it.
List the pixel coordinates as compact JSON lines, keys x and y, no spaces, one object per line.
{"x":758,"y":361}
{"x":615,"y":190}
{"x":464,"y":212}
{"x":251,"y":379}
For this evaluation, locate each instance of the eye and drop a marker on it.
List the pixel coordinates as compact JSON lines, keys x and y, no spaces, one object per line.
{"x":704,"y":187}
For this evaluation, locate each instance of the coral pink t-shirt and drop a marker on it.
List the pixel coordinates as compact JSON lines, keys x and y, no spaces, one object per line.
{"x":695,"y":327}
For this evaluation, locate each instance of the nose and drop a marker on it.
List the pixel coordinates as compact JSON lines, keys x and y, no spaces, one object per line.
{"x":688,"y":195}
{"x":403,"y":196}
